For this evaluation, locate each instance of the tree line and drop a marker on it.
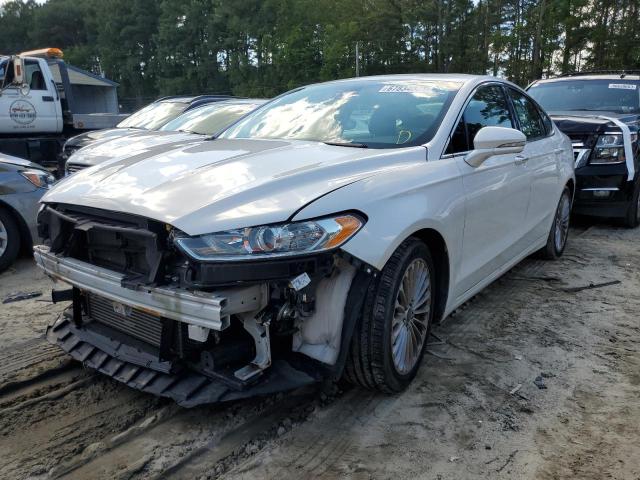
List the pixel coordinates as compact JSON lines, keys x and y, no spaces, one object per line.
{"x":264,"y":47}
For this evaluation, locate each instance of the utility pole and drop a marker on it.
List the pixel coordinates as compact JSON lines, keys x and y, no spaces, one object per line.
{"x":357,"y":59}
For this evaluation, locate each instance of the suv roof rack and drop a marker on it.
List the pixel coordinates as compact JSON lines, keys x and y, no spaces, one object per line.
{"x":621,"y":72}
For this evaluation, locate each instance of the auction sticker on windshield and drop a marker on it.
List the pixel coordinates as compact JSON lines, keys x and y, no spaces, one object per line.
{"x":417,"y":87}
{"x":623,"y":86}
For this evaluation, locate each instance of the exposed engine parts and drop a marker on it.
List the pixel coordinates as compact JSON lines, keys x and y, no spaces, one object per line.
{"x":130,"y":286}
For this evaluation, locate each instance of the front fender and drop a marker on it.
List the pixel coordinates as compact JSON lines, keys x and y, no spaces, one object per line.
{"x":398,"y":203}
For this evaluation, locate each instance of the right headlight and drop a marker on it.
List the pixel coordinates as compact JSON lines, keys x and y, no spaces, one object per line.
{"x":610,"y":149}
{"x":38,"y":178}
{"x":268,"y":241}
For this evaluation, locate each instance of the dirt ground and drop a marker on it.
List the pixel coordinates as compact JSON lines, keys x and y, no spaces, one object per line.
{"x":535,"y":378}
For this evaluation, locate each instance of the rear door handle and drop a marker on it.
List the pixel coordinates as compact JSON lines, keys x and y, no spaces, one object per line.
{"x":558,"y":150}
{"x":47,"y":98}
{"x":521,"y":159}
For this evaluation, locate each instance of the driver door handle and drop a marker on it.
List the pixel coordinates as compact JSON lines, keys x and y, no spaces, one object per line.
{"x":521,"y":159}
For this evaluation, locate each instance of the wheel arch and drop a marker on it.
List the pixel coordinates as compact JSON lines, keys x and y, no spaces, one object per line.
{"x":572,"y":187}
{"x":25,"y":236}
{"x":440,"y":254}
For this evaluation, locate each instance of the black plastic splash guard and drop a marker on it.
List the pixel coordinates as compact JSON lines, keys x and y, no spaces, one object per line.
{"x":145,"y":372}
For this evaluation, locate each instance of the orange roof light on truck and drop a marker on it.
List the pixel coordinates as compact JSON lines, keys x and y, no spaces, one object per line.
{"x":44,"y":52}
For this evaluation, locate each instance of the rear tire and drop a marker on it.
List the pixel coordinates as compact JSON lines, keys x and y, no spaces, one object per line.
{"x":557,"y":239}
{"x":9,"y":240}
{"x":632,"y":219}
{"x":390,"y":338}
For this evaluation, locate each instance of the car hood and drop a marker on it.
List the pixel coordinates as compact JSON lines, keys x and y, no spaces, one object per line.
{"x":218,"y":185}
{"x":19,"y":162}
{"x":88,"y":138}
{"x":591,"y":121}
{"x":129,"y":145}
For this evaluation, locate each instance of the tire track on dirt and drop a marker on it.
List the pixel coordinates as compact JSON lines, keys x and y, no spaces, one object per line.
{"x":222,"y":447}
{"x":187,"y":442}
{"x":329,"y":438}
{"x":56,"y":418}
{"x":26,"y":355}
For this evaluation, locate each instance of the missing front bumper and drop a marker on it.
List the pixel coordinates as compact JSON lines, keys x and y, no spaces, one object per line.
{"x":145,"y":372}
{"x":208,"y":310}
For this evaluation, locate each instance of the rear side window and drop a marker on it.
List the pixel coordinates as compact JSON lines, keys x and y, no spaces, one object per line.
{"x":488,"y":108}
{"x":529,"y":117}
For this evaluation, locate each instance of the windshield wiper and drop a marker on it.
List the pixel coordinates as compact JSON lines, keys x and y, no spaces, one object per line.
{"x":347,"y":144}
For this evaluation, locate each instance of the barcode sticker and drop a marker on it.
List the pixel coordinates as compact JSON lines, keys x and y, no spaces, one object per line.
{"x":300,"y":282}
{"x":623,"y":86}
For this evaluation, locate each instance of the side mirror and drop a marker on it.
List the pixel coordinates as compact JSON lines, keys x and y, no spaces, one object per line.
{"x":490,"y":141}
{"x":18,"y":71}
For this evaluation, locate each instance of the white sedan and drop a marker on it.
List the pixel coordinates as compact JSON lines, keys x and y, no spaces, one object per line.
{"x":322,"y":235}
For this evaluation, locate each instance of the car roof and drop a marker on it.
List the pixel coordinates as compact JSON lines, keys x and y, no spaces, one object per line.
{"x":463,"y":78}
{"x":235,"y":101}
{"x":457,"y":77}
{"x":193,"y":98}
{"x":591,"y":76}
{"x":193,"y":101}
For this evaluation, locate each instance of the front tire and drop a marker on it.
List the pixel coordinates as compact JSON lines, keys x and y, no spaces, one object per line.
{"x":632,"y":219}
{"x":9,"y":240}
{"x":389,"y":341}
{"x":557,"y":239}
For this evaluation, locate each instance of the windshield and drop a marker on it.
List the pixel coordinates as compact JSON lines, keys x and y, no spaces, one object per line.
{"x":369,"y":113}
{"x":154,"y":116}
{"x":210,"y":119}
{"x":618,"y":95}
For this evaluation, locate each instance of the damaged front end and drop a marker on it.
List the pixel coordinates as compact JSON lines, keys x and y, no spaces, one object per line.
{"x":147,"y":313}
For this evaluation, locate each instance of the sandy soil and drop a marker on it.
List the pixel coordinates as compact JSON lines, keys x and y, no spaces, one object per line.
{"x":474,"y":411}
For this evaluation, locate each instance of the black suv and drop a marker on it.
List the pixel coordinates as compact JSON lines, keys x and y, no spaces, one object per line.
{"x":600,"y":112}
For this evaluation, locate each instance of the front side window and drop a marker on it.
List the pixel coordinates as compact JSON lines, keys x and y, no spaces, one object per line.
{"x":153,"y":116}
{"x":33,"y":76}
{"x":367,"y":112}
{"x":528,"y":116}
{"x":487,"y":108}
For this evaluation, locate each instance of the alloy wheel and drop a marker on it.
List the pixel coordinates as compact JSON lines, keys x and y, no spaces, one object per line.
{"x":4,"y":238}
{"x":411,"y":316}
{"x":562,"y":222}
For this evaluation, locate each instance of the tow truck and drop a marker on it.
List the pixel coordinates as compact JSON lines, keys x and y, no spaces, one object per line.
{"x":44,"y":101}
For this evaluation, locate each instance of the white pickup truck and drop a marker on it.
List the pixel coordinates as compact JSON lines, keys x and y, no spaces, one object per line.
{"x":44,"y":101}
